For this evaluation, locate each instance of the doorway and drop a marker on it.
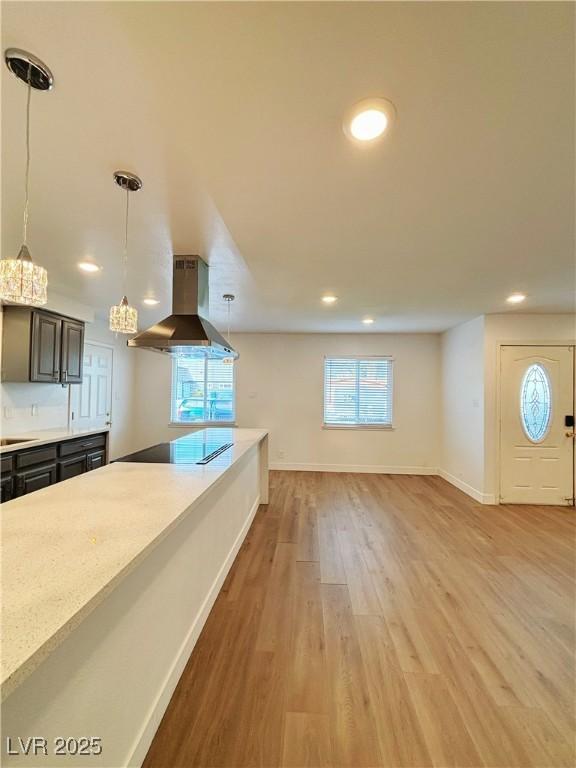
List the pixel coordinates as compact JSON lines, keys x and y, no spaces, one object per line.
{"x":537,"y":425}
{"x":91,"y":402}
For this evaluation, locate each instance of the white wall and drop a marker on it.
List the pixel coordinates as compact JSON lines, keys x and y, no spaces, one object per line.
{"x":470,"y":383}
{"x":279,"y":387}
{"x":512,"y":329}
{"x":462,"y":409}
{"x":49,"y":401}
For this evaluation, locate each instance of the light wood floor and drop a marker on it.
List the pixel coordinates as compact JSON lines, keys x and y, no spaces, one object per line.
{"x":374,"y":620}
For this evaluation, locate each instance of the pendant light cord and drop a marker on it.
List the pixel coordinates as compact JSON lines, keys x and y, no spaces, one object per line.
{"x":125,"y":274}
{"x":229,"y":302}
{"x":27,"y":173}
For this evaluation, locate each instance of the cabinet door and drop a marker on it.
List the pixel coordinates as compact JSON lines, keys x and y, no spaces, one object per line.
{"x":72,"y":351}
{"x":96,"y":459}
{"x":71,"y":467}
{"x":45,"y":347}
{"x":34,"y":479}
{"x":6,"y":489}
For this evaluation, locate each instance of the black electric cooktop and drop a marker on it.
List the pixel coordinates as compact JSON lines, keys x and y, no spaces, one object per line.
{"x":197,"y":448}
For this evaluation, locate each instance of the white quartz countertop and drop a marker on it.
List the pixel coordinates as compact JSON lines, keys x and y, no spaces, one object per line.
{"x":45,"y":436}
{"x":65,"y":547}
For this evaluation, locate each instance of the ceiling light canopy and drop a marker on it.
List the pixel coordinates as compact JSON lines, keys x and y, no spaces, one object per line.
{"x":516,"y":298}
{"x":150,"y":302}
{"x":329,"y":299}
{"x":368,"y":320}
{"x":369,"y":119}
{"x":123,"y":317}
{"x":22,"y":281}
{"x":88,"y":266}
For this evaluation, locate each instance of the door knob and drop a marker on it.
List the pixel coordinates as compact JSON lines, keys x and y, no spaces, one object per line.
{"x":570,"y":434}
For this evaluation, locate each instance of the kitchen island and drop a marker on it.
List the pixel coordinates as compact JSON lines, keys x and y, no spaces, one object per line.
{"x":107,"y":580}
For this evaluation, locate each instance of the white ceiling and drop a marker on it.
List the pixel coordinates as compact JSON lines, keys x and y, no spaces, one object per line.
{"x":231,"y":113}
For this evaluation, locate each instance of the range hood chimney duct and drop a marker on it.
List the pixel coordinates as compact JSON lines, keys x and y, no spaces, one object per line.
{"x":186,"y":332}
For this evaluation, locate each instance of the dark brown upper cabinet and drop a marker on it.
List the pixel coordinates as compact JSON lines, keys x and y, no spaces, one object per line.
{"x":72,"y":351}
{"x":41,"y":346}
{"x":45,"y":347}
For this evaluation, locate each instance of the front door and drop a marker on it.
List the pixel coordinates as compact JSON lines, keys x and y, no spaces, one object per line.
{"x":536,"y":425}
{"x":91,"y":401}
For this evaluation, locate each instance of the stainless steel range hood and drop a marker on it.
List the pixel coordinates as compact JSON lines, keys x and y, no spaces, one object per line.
{"x":186,"y":332}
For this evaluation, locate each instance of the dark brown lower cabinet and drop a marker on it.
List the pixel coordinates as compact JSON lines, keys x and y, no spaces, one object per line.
{"x":6,"y":489}
{"x":96,"y":459}
{"x":35,"y":478}
{"x":68,"y":468}
{"x":30,"y":469}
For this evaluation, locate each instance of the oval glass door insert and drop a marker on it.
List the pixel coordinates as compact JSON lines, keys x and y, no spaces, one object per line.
{"x":535,"y":403}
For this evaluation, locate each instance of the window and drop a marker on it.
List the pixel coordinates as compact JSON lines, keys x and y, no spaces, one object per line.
{"x":358,"y":392}
{"x":535,"y":405}
{"x":202,"y":391}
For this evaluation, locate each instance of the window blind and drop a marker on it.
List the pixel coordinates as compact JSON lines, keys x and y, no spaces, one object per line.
{"x":202,"y":391}
{"x":358,"y":392}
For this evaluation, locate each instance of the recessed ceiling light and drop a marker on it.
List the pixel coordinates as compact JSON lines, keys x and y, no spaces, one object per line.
{"x":329,"y":299}
{"x":88,"y":266}
{"x":150,"y":302}
{"x":516,"y":298}
{"x":368,"y":119}
{"x":368,"y":320}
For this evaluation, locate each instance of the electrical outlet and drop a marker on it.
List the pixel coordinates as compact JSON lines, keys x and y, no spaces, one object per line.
{"x":281,"y":454}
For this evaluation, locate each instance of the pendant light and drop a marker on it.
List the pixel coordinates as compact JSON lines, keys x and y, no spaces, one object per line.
{"x":228,"y":298}
{"x":123,"y":317}
{"x":22,"y":281}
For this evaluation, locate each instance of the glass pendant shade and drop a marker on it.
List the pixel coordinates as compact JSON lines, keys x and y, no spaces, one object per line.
{"x":123,"y":317}
{"x":22,"y":281}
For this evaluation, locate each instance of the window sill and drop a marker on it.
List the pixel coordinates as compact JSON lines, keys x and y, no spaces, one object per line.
{"x":201,"y":424}
{"x":385,"y":427}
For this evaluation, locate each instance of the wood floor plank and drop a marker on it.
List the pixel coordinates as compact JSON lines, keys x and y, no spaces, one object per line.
{"x":448,"y":740}
{"x":399,"y":733}
{"x":382,"y":621}
{"x":331,"y":566}
{"x":307,"y":741}
{"x":307,"y":688}
{"x":276,"y":616}
{"x":307,"y":535}
{"x":540,"y":737}
{"x":363,"y":594}
{"x":352,"y":724}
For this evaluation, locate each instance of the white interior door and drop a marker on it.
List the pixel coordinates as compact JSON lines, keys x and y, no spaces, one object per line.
{"x":536,"y":445}
{"x":91,"y":401}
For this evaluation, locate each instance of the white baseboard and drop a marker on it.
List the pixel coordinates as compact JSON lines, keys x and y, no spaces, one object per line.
{"x":375,"y":469}
{"x":483,"y":498}
{"x":149,"y":728}
{"x":380,"y":469}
